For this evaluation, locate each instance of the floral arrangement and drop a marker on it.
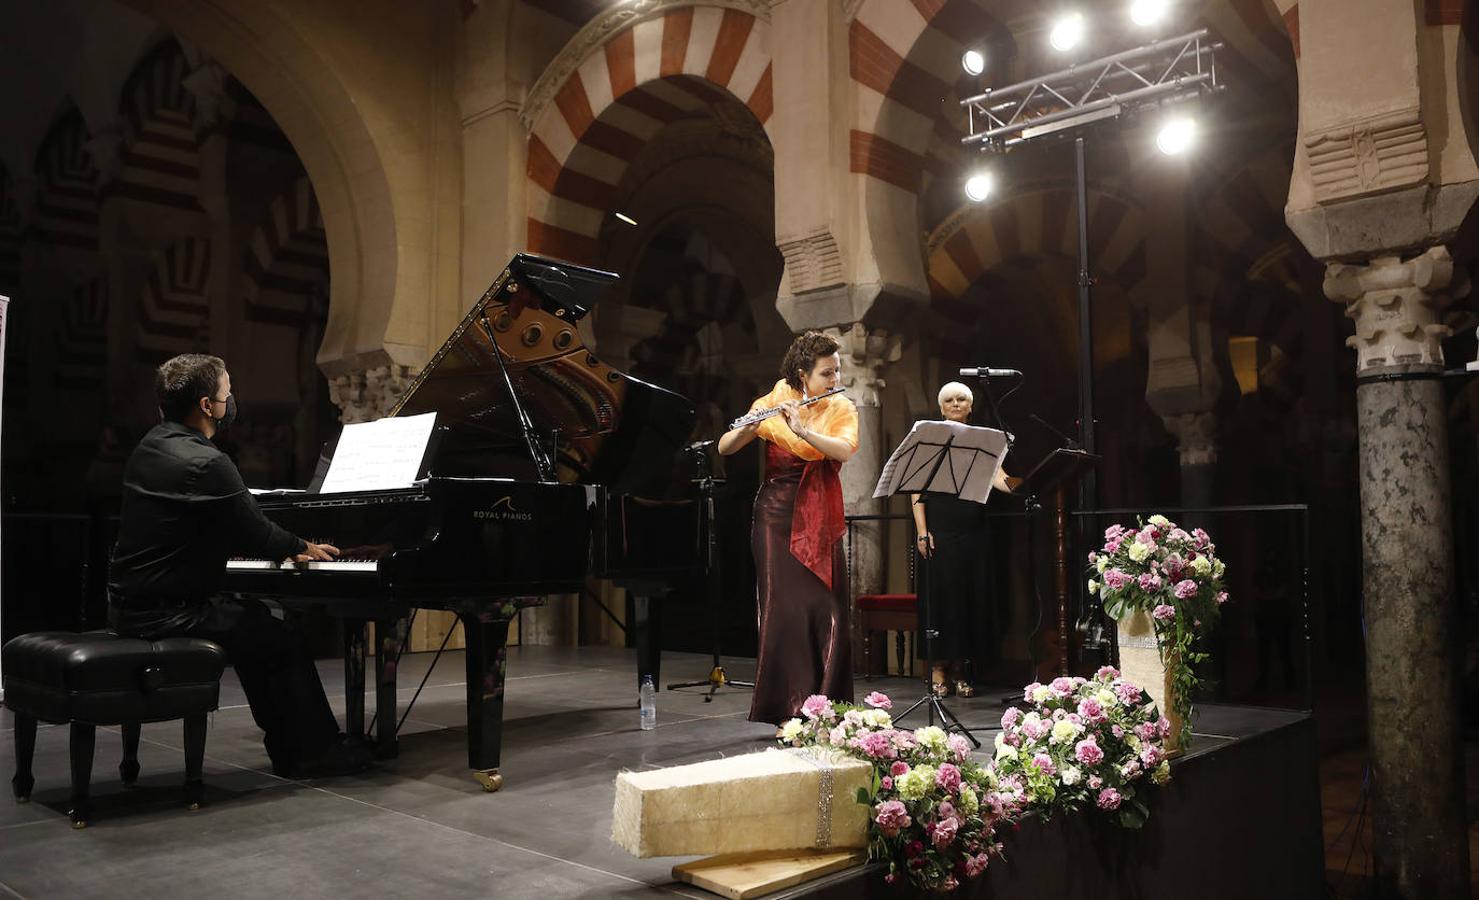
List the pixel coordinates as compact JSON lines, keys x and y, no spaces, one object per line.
{"x":1083,"y":745}
{"x":934,"y":812}
{"x":1175,"y":577}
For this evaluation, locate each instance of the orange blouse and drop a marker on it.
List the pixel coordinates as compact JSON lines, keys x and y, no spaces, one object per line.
{"x":835,"y":417}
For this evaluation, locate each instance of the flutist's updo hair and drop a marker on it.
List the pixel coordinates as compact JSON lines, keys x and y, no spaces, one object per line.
{"x":808,"y":347}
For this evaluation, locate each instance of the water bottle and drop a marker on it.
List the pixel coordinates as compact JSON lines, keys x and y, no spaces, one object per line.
{"x":647,"y":693}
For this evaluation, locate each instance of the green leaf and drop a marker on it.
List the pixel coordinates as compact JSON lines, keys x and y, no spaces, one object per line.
{"x":862,"y":797}
{"x":1133,"y":815}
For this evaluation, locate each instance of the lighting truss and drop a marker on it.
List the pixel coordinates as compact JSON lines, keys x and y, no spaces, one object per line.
{"x":1164,"y":72}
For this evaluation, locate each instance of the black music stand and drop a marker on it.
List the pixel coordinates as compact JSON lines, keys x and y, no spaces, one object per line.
{"x":955,"y":460}
{"x":1051,"y":477}
{"x":706,"y":476}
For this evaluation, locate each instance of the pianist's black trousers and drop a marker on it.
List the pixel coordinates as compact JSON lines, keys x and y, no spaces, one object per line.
{"x":277,"y":673}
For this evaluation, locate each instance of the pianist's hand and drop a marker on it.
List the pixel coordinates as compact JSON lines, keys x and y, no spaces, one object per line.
{"x":317,"y":553}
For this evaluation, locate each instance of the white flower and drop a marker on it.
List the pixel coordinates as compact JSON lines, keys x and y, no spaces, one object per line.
{"x":1070,"y":775}
{"x":1217,"y":569}
{"x":1093,"y":587}
{"x":877,"y":718}
{"x":791,"y":730}
{"x":1064,"y":732}
{"x":1133,"y":742}
{"x":1139,"y":552}
{"x":1005,"y":752}
{"x":1162,"y":773}
{"x":1041,"y":695}
{"x":1001,"y":740}
{"x":1107,"y":698}
{"x":931,"y":737}
{"x":1102,"y":564}
{"x":1159,"y":521}
{"x":1201,"y":566}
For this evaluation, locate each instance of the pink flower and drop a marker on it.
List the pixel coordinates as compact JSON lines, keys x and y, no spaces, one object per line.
{"x":1128,"y":693}
{"x":886,"y":782}
{"x":1200,"y":537}
{"x":1178,"y":534}
{"x":1164,"y":726}
{"x":1109,"y":798}
{"x":1149,"y":581}
{"x":1186,"y":588}
{"x":1036,"y":731}
{"x":1107,"y":673}
{"x":838,"y":736}
{"x":949,"y":884}
{"x":1061,"y":686}
{"x":1011,"y":717}
{"x":1164,"y":613}
{"x":944,"y":832}
{"x":960,"y":748}
{"x":1173,"y":566}
{"x":945,"y":810}
{"x":817,"y":706}
{"x":1087,"y":752}
{"x":1090,"y":709}
{"x":1221,"y":597}
{"x":1147,"y":731}
{"x":878,"y":700}
{"x":876,"y":744}
{"x":948,"y":777}
{"x":1044,"y":764}
{"x":892,"y":817}
{"x":975,"y":865}
{"x":1031,"y":689}
{"x":1117,"y":731}
{"x":1150,"y":757}
{"x":1095,"y":782}
{"x":898,"y":768}
{"x":1113,"y":546}
{"x":1114,"y":579}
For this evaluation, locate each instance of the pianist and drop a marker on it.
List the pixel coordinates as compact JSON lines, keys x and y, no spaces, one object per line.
{"x":185,"y":512}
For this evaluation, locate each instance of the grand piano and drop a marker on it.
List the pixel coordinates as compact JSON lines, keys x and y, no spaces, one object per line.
{"x":547,"y":467}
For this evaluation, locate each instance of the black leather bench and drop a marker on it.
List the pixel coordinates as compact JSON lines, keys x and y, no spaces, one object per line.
{"x":99,"y":678}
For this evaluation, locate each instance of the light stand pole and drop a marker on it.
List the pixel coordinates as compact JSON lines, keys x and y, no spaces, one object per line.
{"x":1088,"y":495}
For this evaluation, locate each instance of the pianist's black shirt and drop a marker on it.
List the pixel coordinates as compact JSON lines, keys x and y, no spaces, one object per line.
{"x":185,"y":512}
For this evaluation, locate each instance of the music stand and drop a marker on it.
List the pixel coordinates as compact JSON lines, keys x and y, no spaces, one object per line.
{"x":955,"y":460}
{"x":1052,"y":475}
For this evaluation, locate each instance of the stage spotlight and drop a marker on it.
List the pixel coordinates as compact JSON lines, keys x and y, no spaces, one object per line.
{"x":978,"y":187}
{"x":1177,"y":136}
{"x":973,"y":61}
{"x":1067,"y":32}
{"x":1146,"y":13}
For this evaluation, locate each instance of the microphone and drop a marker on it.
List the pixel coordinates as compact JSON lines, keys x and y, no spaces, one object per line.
{"x":984,"y":372}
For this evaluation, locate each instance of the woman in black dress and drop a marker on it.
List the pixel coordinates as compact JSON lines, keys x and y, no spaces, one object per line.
{"x":953,"y":541}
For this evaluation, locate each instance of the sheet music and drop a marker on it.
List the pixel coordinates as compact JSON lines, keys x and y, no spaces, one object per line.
{"x":379,"y":455}
{"x":945,"y":458}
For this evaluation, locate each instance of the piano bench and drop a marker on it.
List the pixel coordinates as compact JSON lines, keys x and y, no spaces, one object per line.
{"x":882,"y":613}
{"x":100,"y":678}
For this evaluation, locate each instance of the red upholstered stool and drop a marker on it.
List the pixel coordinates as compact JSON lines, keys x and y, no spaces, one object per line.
{"x":886,"y":612}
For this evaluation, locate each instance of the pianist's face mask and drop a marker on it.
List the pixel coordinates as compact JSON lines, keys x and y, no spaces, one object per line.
{"x":230,"y":416}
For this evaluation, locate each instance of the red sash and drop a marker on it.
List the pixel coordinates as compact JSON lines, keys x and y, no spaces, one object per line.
{"x":817,"y":520}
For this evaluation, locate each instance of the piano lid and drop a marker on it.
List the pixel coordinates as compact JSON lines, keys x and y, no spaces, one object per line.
{"x":608,"y":427}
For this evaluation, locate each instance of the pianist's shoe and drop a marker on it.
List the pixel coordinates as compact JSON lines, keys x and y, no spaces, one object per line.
{"x":343,"y":757}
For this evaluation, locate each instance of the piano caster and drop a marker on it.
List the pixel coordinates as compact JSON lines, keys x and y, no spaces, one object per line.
{"x":489,"y":779}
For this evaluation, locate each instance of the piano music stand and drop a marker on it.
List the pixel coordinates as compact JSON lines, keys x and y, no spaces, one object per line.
{"x":1052,"y":476}
{"x":706,"y":478}
{"x":954,"y":460}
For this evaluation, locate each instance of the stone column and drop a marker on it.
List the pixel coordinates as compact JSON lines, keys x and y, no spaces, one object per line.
{"x":1420,"y":846}
{"x":1196,"y":443}
{"x":865,"y":355}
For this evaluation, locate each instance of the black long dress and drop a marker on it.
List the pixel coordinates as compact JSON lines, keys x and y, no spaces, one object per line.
{"x":955,"y":584}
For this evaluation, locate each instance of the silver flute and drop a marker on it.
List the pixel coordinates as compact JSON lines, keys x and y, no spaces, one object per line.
{"x":761,"y":415}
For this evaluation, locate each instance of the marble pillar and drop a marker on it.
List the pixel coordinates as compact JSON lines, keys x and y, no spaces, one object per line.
{"x":866,"y":353}
{"x":1196,"y":446}
{"x":1420,"y":845}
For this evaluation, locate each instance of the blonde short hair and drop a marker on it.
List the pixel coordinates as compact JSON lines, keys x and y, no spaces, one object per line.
{"x":952,"y":387}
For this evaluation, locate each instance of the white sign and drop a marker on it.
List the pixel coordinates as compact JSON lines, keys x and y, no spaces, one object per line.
{"x":380,"y":455}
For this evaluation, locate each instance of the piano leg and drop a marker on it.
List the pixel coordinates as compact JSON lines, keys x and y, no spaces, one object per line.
{"x":647,"y":610}
{"x":390,"y":636}
{"x":486,"y":636}
{"x":354,"y":678}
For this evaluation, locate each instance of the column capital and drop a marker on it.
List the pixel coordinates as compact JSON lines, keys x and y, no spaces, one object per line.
{"x":366,"y":395}
{"x":1196,"y":437}
{"x":213,"y":105}
{"x":866,"y":352}
{"x":103,"y":146}
{"x":1397,"y":305}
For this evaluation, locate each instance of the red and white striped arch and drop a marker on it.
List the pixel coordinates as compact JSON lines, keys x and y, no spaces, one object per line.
{"x":287,"y":259}
{"x":172,"y":312}
{"x":618,"y":97}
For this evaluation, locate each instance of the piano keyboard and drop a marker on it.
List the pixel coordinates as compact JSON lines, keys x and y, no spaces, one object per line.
{"x":338,"y":565}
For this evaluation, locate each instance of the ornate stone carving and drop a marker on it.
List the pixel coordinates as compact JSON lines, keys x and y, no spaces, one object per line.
{"x":1196,"y":437}
{"x":865,"y":354}
{"x":207,"y":84}
{"x":366,"y":396}
{"x":812,"y":262}
{"x":603,"y":28}
{"x":103,"y":145}
{"x":1397,"y":306}
{"x":1368,"y":155}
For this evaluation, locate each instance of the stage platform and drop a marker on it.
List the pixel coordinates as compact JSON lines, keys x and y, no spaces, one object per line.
{"x":1242,"y":810}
